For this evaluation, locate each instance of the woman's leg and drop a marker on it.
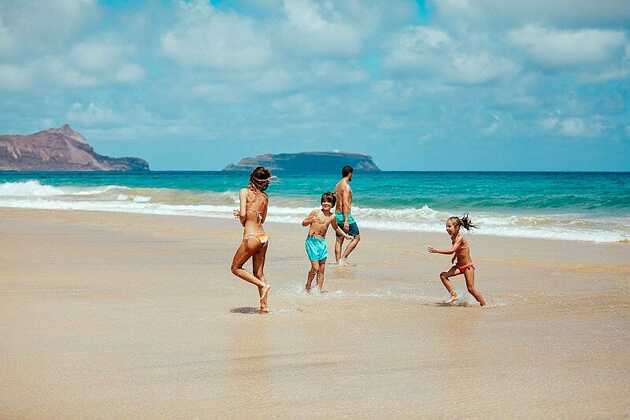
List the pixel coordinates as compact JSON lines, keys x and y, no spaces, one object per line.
{"x":470,"y":284}
{"x":311,"y":275}
{"x":259,"y":270}
{"x":243,"y":253}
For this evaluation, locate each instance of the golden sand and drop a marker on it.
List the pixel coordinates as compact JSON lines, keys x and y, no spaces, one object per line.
{"x":133,"y":316}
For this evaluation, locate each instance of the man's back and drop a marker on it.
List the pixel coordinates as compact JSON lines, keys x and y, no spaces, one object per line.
{"x":341,"y":187}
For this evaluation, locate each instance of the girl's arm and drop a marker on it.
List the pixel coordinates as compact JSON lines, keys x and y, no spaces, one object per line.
{"x":452,"y":250}
{"x":309,"y":219}
{"x":339,"y":230}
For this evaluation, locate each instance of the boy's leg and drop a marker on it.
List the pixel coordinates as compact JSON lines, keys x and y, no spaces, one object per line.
{"x":444,"y":276}
{"x":311,"y":275}
{"x":320,"y":275}
{"x":470,"y":284}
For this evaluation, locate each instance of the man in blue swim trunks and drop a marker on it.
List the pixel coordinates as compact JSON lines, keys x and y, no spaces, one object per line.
{"x":343,"y":214}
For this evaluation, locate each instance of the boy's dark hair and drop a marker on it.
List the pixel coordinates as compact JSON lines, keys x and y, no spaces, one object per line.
{"x":346,"y":170}
{"x":329,"y":197}
{"x":464,"y":221}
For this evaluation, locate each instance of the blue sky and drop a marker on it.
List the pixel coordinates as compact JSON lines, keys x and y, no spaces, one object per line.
{"x":419,"y":85}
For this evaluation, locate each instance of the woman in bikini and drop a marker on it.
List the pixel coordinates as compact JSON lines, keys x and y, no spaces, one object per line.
{"x":461,"y":253}
{"x":252,"y":215}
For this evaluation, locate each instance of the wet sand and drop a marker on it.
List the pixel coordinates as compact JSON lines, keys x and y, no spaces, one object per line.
{"x":107,"y":315}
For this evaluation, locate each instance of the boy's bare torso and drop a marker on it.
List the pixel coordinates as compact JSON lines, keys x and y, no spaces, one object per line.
{"x":320,"y":223}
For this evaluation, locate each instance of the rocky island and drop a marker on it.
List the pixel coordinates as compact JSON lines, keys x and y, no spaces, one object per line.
{"x":59,"y":149}
{"x":307,"y":161}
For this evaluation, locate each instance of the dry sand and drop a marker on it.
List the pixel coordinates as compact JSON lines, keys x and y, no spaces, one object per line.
{"x":130,"y":316}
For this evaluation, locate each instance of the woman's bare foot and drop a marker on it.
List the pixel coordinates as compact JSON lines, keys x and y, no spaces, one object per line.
{"x":453,"y":298}
{"x":263,"y":298}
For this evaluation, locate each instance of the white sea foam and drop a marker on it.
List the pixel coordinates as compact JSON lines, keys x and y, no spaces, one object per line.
{"x":28,"y":189}
{"x":114,"y":198}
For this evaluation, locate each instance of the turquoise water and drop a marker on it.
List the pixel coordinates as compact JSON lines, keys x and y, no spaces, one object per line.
{"x":584,"y":206}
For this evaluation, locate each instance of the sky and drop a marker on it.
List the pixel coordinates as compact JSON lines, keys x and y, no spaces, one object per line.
{"x":487,"y":85}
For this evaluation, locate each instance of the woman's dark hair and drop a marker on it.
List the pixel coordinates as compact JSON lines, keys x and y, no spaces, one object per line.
{"x":259,"y":178}
{"x":346,"y":170}
{"x":464,"y":221}
{"x":329,"y":198}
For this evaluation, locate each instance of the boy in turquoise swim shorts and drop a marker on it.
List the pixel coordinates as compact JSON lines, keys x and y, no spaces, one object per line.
{"x":316,"y":247}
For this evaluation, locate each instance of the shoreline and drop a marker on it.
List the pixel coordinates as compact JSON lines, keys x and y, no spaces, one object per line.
{"x":137,"y":316}
{"x":365,"y":225}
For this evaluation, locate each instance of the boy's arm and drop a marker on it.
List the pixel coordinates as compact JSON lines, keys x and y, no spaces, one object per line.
{"x":309,"y":219}
{"x":340,"y":231}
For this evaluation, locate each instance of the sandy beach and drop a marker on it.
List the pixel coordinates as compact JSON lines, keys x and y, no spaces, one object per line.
{"x":109,"y":315}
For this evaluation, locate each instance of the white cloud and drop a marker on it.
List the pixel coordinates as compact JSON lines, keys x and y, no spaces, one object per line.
{"x":294,"y":104}
{"x":423,"y":51}
{"x":558,"y":48}
{"x":206,"y":37}
{"x":129,"y":72}
{"x":319,"y":28}
{"x":91,"y":114}
{"x":15,"y":77}
{"x":31,"y":26}
{"x":573,"y":126}
{"x":332,"y":72}
{"x":509,"y":13}
{"x":99,"y":54}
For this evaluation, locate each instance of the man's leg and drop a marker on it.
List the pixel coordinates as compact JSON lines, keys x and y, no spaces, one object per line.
{"x":353,"y":244}
{"x":338,"y":248}
{"x":354,"y":231}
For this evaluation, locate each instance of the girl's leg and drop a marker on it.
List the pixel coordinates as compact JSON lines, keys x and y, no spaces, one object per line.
{"x":243,"y":253}
{"x":444,"y":276}
{"x":311,"y":275}
{"x":259,"y":267}
{"x":320,"y":275}
{"x":470,"y":284}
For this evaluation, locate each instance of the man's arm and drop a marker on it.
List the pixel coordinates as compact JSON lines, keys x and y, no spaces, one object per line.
{"x":335,"y":226}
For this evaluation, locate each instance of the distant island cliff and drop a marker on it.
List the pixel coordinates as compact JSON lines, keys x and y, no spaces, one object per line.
{"x":59,"y":149}
{"x":307,"y":161}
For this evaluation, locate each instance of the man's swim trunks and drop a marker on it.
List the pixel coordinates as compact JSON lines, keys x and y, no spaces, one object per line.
{"x":352,"y":224}
{"x":316,"y":248}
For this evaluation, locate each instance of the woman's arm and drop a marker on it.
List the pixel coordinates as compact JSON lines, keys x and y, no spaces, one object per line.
{"x":264,"y":212}
{"x":242,"y":212}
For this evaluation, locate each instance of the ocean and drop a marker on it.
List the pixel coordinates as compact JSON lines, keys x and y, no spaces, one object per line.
{"x":553,"y":205}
